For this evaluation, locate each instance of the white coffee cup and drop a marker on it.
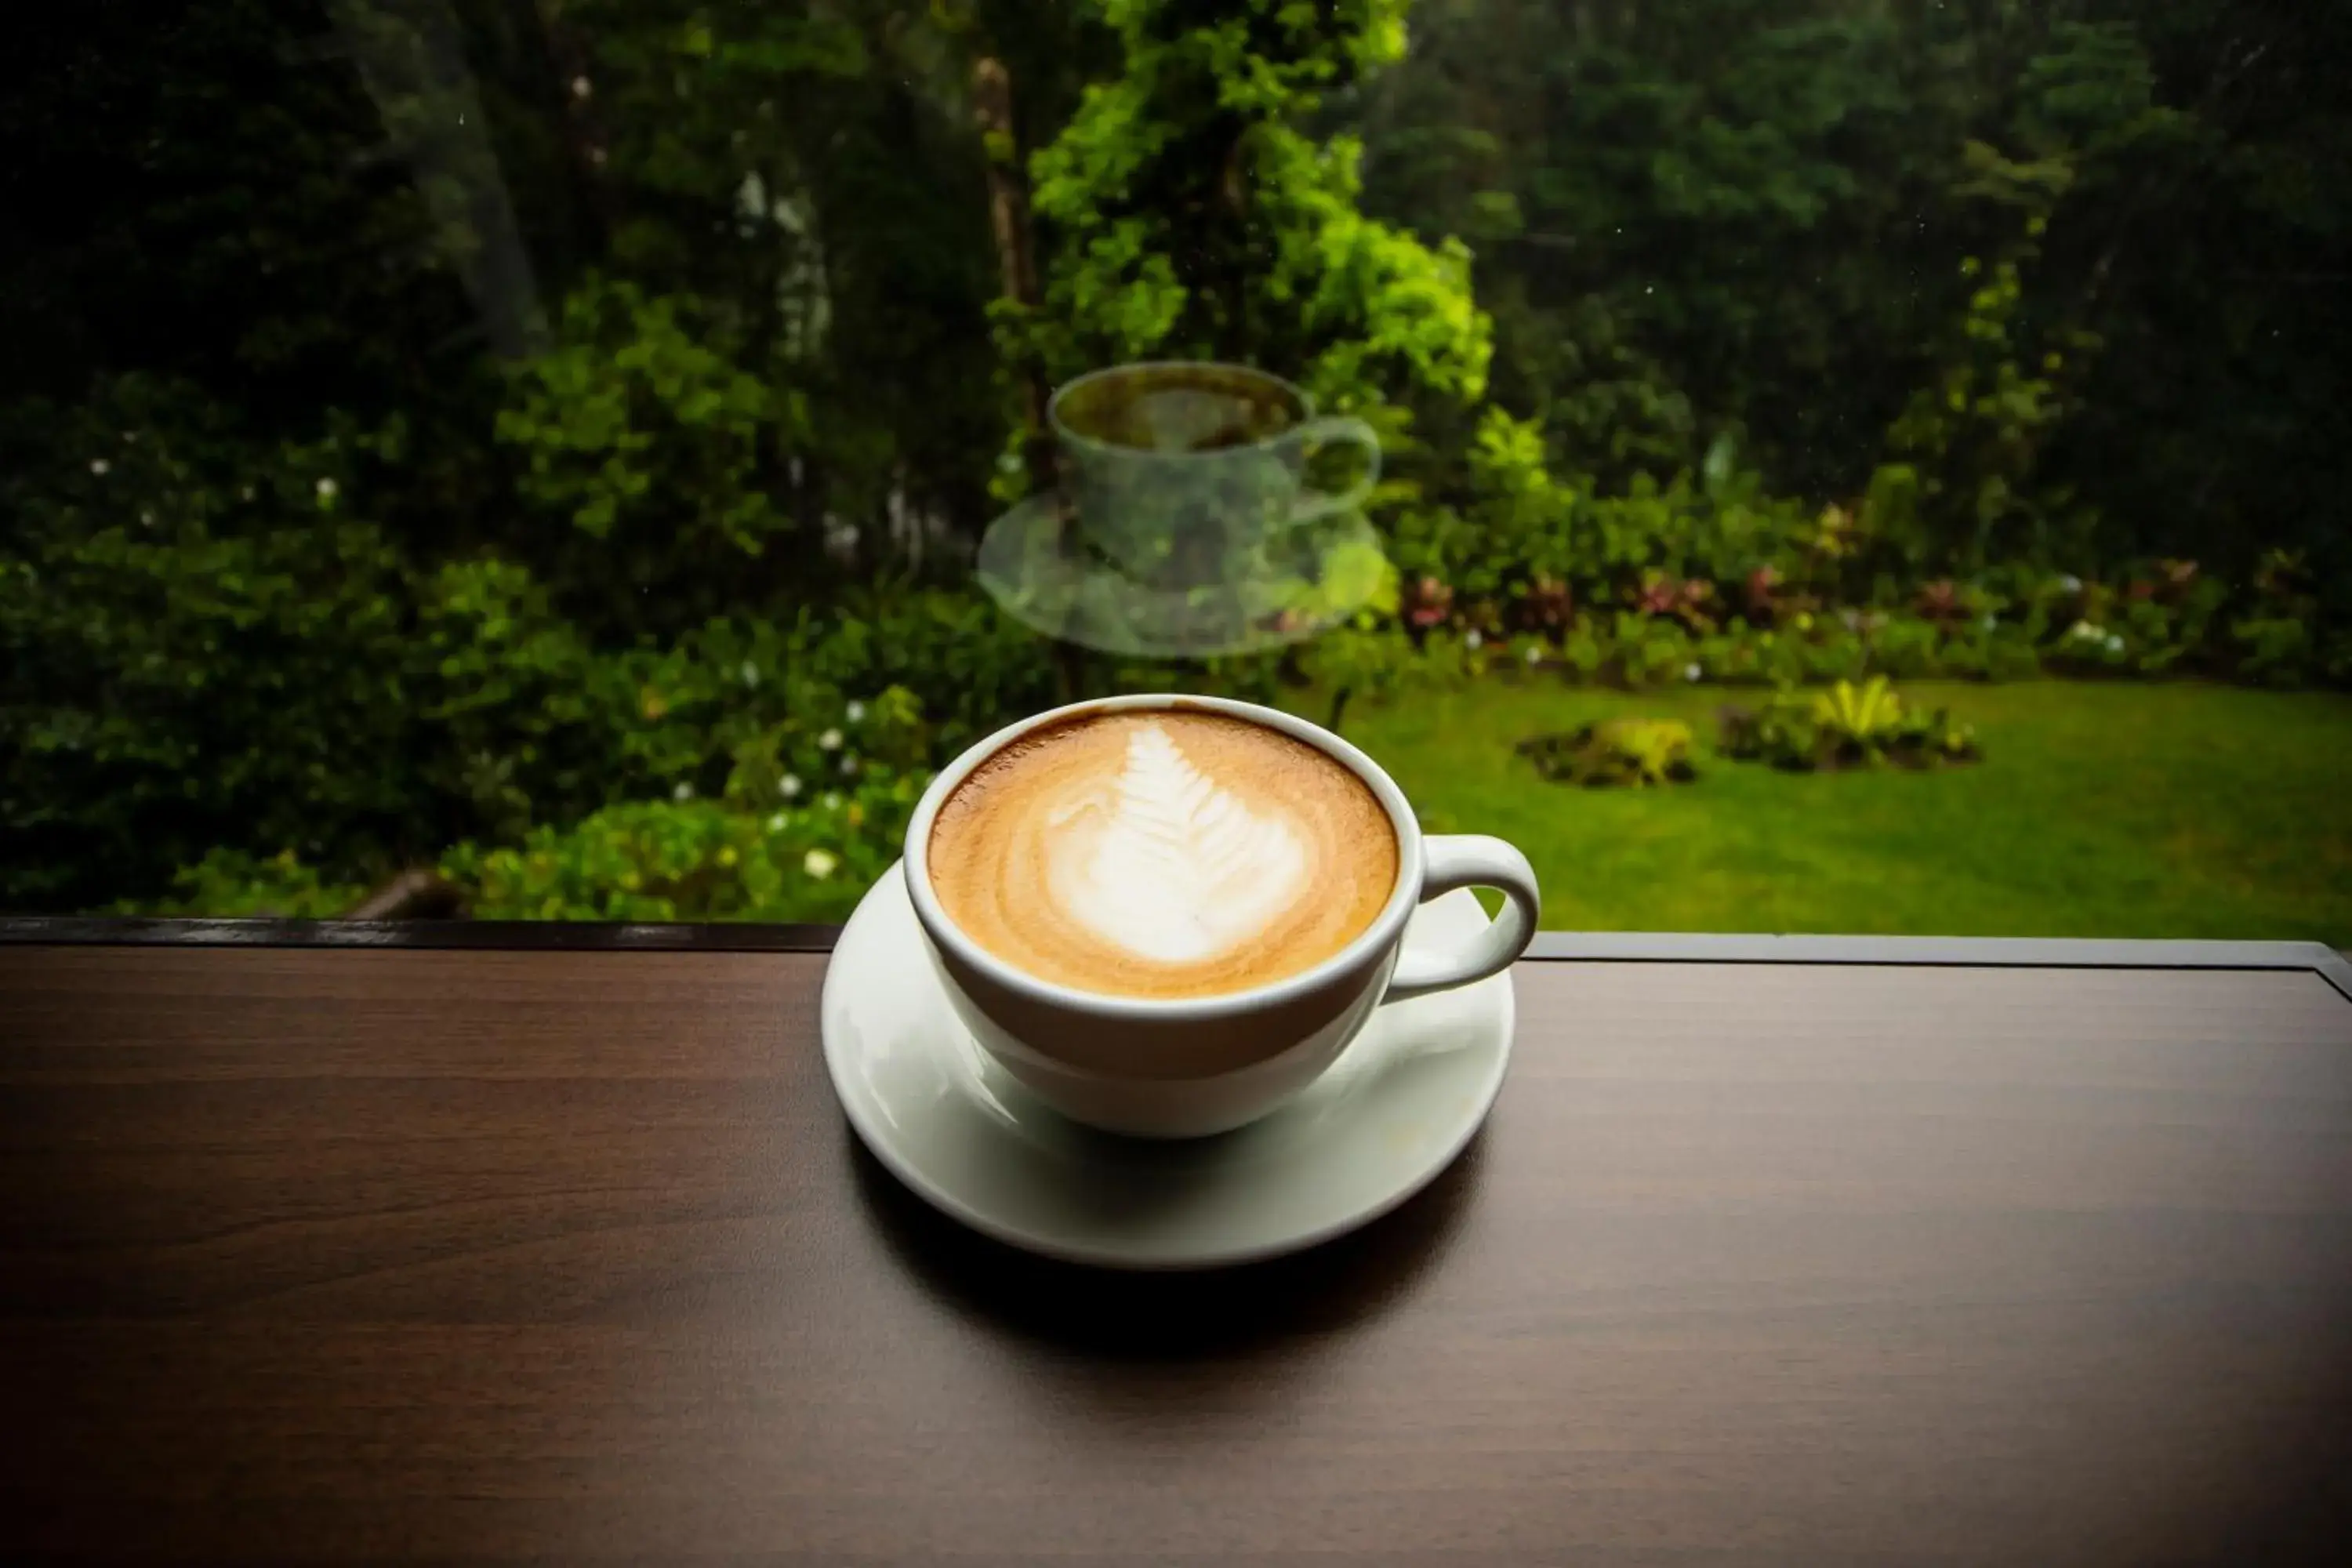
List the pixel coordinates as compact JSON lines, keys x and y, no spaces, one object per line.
{"x":1188,"y":1067}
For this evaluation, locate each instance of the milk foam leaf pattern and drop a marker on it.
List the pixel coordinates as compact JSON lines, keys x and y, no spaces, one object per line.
{"x":1180,"y":869}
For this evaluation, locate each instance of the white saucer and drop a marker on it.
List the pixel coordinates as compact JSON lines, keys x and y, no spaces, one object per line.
{"x":1392,"y":1114}
{"x":1322,"y":573}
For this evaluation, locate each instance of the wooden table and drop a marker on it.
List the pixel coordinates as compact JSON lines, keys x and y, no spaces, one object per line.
{"x":1774,"y":1251}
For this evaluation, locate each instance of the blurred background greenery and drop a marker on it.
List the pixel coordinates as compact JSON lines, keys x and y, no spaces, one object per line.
{"x":533,"y":450}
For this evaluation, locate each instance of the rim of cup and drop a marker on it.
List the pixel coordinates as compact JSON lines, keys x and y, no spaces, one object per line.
{"x":1384,"y":927}
{"x":1079,"y":438}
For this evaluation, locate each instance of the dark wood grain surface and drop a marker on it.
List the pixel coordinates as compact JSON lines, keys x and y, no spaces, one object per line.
{"x":372,"y":1256}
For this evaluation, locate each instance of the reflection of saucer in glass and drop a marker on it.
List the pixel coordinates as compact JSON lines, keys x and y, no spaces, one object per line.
{"x":1314,"y":576}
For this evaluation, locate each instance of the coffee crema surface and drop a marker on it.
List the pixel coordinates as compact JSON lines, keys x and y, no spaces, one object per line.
{"x":1162,"y":853}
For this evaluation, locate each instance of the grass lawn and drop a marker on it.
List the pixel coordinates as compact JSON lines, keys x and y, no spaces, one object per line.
{"x":2099,"y":810}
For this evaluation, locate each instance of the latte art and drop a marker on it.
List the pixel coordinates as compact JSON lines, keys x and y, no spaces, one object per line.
{"x":1165,"y":864}
{"x":1165,"y":853}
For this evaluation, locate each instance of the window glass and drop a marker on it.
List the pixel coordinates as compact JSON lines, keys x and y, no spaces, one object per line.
{"x":1789,"y":465}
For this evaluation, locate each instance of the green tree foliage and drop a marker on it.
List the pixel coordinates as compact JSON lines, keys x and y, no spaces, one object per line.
{"x":1188,"y":212}
{"x":209,"y":192}
{"x":546,"y":441}
{"x":1965,"y":484}
{"x":199,"y":646}
{"x":2204,"y":245}
{"x":806,"y":175}
{"x":1753,"y":214}
{"x":1683,"y":212}
{"x":642,"y":432}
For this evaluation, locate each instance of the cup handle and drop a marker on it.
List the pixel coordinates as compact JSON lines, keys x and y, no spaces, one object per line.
{"x":1342,"y":430}
{"x":1471,"y":860}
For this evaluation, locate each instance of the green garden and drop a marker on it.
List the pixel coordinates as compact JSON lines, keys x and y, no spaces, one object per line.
{"x":527,"y":459}
{"x":2105,"y":809}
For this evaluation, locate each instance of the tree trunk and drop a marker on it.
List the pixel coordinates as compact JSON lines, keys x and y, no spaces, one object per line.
{"x":586,"y":136}
{"x":414,"y":895}
{"x":1008,"y":211}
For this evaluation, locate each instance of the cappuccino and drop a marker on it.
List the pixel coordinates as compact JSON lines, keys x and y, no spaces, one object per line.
{"x":1162,"y":853}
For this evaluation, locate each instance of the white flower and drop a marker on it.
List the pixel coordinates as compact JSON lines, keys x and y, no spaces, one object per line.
{"x":2071,"y":583}
{"x":2084,"y":631}
{"x":98,"y":465}
{"x":819,"y":863}
{"x":830,"y":800}
{"x":148,"y":518}
{"x":326,"y":489}
{"x":750,"y":672}
{"x":789,"y":785}
{"x":683,"y":792}
{"x":1692,"y":671}
{"x":849,"y":767}
{"x":580,"y":87}
{"x":1471,"y":640}
{"x":1535,"y":654}
{"x":2115,"y":643}
{"x":776,"y":823}
{"x":856,"y":711}
{"x":829,"y":742}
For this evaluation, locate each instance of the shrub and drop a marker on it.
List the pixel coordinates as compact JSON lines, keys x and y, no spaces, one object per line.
{"x":1637,"y":751}
{"x":1909,"y":648}
{"x":645,"y":434}
{"x":1988,"y":651}
{"x":2274,"y":650}
{"x":971,"y":667}
{"x":1539,"y":545}
{"x":232,"y":883}
{"x":200,"y":647}
{"x":1846,"y":726}
{"x":695,"y":859}
{"x":525,"y":720}
{"x":1653,"y":652}
{"x":1361,"y":663}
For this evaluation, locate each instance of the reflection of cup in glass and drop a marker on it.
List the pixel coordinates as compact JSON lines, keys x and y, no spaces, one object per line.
{"x":1181,"y":475}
